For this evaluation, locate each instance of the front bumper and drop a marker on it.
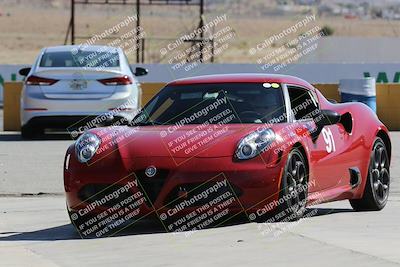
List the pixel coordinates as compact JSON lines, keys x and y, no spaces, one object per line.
{"x":176,"y":190}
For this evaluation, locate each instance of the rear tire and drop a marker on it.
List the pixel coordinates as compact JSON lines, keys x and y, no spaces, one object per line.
{"x":29,"y":132}
{"x":376,"y":191}
{"x":26,"y":132}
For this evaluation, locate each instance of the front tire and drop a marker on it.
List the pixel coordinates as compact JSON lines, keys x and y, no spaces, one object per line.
{"x":376,"y":191}
{"x":294,"y":187}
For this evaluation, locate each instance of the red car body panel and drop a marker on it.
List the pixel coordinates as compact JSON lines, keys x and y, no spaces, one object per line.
{"x":256,"y":181}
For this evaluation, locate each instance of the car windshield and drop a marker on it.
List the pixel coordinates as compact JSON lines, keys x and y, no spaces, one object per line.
{"x":219,"y":103}
{"x":88,"y":59}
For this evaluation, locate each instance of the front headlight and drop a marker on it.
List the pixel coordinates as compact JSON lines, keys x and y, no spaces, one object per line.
{"x":254,"y":143}
{"x":86,"y":146}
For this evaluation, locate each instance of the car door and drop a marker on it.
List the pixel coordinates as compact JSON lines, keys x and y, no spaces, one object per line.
{"x":327,"y":149}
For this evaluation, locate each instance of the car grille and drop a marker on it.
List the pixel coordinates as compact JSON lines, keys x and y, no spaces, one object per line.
{"x":151,"y":186}
{"x":97,"y":192}
{"x":194,"y":189}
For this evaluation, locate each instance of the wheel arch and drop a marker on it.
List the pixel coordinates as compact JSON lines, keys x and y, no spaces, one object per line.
{"x":303,"y":151}
{"x":385,"y":137}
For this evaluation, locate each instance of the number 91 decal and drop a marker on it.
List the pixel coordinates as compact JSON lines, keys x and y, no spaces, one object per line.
{"x":329,"y":140}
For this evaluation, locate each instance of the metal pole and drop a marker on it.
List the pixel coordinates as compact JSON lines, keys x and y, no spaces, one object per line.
{"x":138,"y":47}
{"x":73,"y":22}
{"x":212,"y":44}
{"x":143,"y":49}
{"x":212,"y":50}
{"x":67,"y":35}
{"x":201,"y":26}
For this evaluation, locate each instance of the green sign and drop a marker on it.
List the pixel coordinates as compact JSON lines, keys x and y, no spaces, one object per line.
{"x":382,"y":77}
{"x":13,"y":78}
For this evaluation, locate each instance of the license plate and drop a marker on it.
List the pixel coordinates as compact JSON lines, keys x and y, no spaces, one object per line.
{"x":78,"y":85}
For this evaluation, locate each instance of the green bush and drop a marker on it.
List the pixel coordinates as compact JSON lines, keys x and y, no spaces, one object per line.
{"x":327,"y":31}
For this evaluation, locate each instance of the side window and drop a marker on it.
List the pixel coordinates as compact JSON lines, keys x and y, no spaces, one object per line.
{"x":127,"y":62}
{"x":304,"y":104}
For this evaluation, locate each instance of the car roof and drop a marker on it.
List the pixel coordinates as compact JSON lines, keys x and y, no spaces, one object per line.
{"x":242,"y":78}
{"x":63,"y":48}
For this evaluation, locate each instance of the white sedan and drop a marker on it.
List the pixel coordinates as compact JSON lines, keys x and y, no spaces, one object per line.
{"x":75,"y":88}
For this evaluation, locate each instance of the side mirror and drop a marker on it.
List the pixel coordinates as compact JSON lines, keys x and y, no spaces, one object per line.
{"x":327,"y":117}
{"x":140,"y":71}
{"x":24,"y":71}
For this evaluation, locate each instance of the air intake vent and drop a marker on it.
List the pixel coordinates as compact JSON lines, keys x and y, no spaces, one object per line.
{"x":355,"y":177}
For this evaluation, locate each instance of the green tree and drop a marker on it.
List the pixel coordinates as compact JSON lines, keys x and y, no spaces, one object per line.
{"x":327,"y":31}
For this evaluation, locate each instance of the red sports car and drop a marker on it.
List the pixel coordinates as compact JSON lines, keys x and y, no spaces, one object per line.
{"x":206,"y":149}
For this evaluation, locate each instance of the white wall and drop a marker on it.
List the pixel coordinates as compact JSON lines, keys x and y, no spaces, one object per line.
{"x":313,"y":73}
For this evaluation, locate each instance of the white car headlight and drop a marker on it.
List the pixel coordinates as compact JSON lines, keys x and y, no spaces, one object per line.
{"x":254,"y":143}
{"x":86,"y":146}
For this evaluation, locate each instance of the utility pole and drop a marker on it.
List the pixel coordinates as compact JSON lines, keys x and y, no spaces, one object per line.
{"x":138,"y":33}
{"x":73,"y":22}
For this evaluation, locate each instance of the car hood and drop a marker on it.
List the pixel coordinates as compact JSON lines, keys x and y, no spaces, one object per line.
{"x":178,"y":142}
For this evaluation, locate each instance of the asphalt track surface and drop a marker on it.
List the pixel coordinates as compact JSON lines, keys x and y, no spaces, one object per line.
{"x":35,"y":229}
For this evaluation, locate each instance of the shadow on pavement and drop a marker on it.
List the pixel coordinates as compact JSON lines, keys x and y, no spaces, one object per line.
{"x":10,"y":137}
{"x":17,"y":137}
{"x":325,"y":211}
{"x":67,"y":231}
{"x":62,"y":232}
